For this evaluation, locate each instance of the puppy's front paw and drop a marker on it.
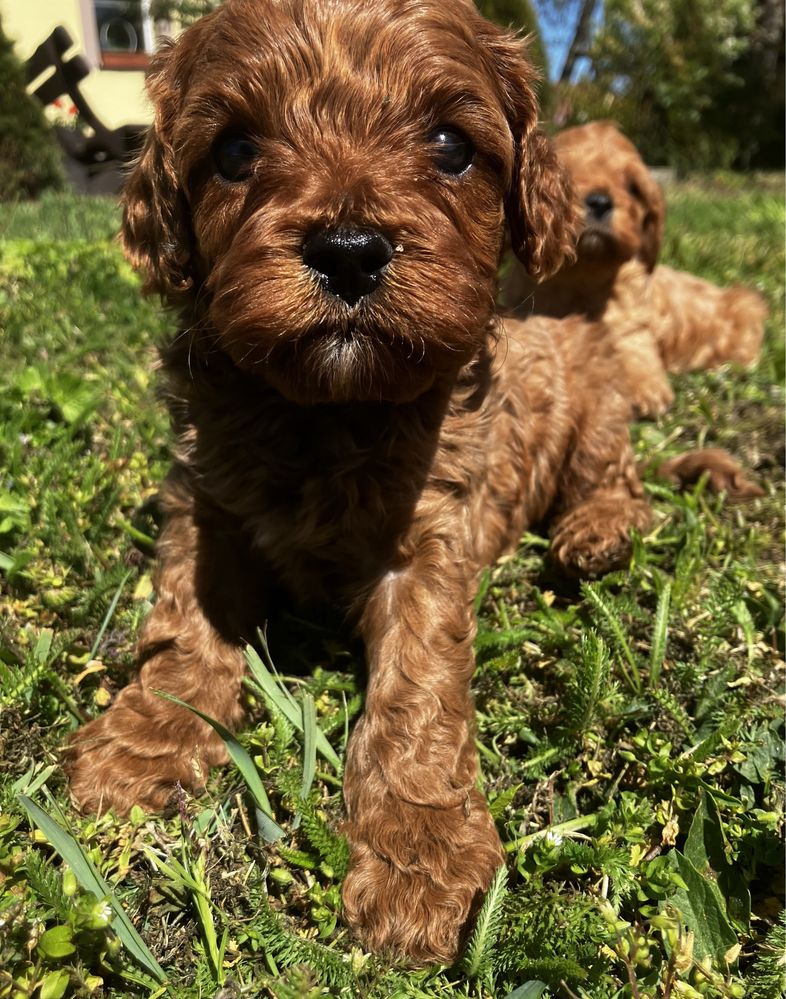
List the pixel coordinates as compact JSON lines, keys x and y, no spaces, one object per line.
{"x":651,"y":399}
{"x":418,"y":876}
{"x":594,"y":537}
{"x":131,"y":757}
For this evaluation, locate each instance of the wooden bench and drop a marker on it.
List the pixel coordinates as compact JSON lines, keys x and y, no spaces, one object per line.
{"x":94,"y":155}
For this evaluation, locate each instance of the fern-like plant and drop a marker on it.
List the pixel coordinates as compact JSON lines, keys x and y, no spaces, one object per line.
{"x":608,"y":612}
{"x":767,"y":979}
{"x":588,"y":685}
{"x":286,"y":949}
{"x":478,"y":961}
{"x":333,"y":849}
{"x":553,"y":933}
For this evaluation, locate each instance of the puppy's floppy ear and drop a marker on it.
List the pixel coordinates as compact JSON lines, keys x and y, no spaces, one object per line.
{"x":541,"y":208}
{"x":540,"y":204}
{"x":156,"y":233}
{"x":652,"y":225}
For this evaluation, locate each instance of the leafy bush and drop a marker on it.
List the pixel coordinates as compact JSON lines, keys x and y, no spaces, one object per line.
{"x":697,"y":84}
{"x":29,"y":157}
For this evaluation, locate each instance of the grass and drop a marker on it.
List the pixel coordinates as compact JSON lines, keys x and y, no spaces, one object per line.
{"x":630,"y":733}
{"x":60,"y":217}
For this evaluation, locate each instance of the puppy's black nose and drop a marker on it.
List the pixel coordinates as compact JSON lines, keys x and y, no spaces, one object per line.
{"x":599,"y":206}
{"x":349,"y":262}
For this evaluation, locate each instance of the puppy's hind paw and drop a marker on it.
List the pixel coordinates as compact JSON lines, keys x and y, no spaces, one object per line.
{"x":724,"y":473}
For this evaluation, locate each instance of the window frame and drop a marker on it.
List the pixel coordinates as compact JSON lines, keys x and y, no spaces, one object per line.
{"x":117,"y":60}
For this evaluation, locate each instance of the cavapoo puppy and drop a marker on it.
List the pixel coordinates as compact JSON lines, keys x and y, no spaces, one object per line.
{"x":323,"y":200}
{"x":660,"y":319}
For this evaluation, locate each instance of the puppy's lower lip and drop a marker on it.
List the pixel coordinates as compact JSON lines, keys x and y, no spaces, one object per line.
{"x":595,"y":237}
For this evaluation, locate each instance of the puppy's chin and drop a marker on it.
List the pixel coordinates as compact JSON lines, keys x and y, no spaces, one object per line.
{"x":391,"y":347}
{"x":596,"y":242}
{"x":601,"y":245}
{"x":424,"y":322}
{"x":340,"y":367}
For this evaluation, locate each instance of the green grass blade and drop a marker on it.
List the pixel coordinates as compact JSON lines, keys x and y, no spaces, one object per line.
{"x":202,"y":905}
{"x":533,"y":989}
{"x":270,"y":667}
{"x":43,"y":646}
{"x":269,"y":828}
{"x":110,"y":613}
{"x":561,"y":829}
{"x":88,"y":876}
{"x":483,"y":588}
{"x":273,"y":689}
{"x":309,"y":744}
{"x":744,"y":619}
{"x":658,"y":651}
{"x":33,"y":780}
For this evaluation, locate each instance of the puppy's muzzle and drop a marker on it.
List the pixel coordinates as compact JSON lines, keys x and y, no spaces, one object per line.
{"x":348,"y":262}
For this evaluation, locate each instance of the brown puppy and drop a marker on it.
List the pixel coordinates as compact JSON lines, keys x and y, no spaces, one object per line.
{"x":323,"y":199}
{"x":659,"y":319}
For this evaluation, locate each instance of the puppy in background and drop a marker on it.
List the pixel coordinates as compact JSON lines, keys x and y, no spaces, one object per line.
{"x":659,"y":319}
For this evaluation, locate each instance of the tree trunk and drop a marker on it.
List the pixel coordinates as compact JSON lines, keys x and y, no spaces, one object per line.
{"x":581,"y":38}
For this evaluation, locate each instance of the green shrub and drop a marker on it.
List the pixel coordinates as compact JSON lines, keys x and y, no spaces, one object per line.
{"x":29,"y":157}
{"x":695,"y":84}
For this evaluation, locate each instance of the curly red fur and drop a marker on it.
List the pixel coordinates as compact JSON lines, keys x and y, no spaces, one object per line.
{"x":375,"y":454}
{"x":660,"y":319}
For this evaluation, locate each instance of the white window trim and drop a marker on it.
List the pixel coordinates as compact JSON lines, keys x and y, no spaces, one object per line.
{"x":148,"y":34}
{"x":90,"y":28}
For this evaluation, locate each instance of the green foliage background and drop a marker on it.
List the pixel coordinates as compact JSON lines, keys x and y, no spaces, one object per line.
{"x":29,"y":156}
{"x":695,"y":84}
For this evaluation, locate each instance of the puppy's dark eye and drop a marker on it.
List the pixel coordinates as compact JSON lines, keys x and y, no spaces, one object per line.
{"x":234,"y":154}
{"x":635,"y":191}
{"x":451,"y":150}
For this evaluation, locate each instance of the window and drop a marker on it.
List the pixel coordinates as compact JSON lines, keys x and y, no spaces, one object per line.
{"x":125,"y":33}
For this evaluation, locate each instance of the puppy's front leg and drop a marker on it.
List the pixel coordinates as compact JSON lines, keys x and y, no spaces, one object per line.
{"x":601,"y":497}
{"x":646,"y":383}
{"x":424,"y":847}
{"x":190,"y":646}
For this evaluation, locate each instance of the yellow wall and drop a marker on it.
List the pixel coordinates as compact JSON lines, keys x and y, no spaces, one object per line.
{"x":117,"y":96}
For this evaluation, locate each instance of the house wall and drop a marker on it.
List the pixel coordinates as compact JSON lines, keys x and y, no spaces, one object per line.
{"x":116,"y":95}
